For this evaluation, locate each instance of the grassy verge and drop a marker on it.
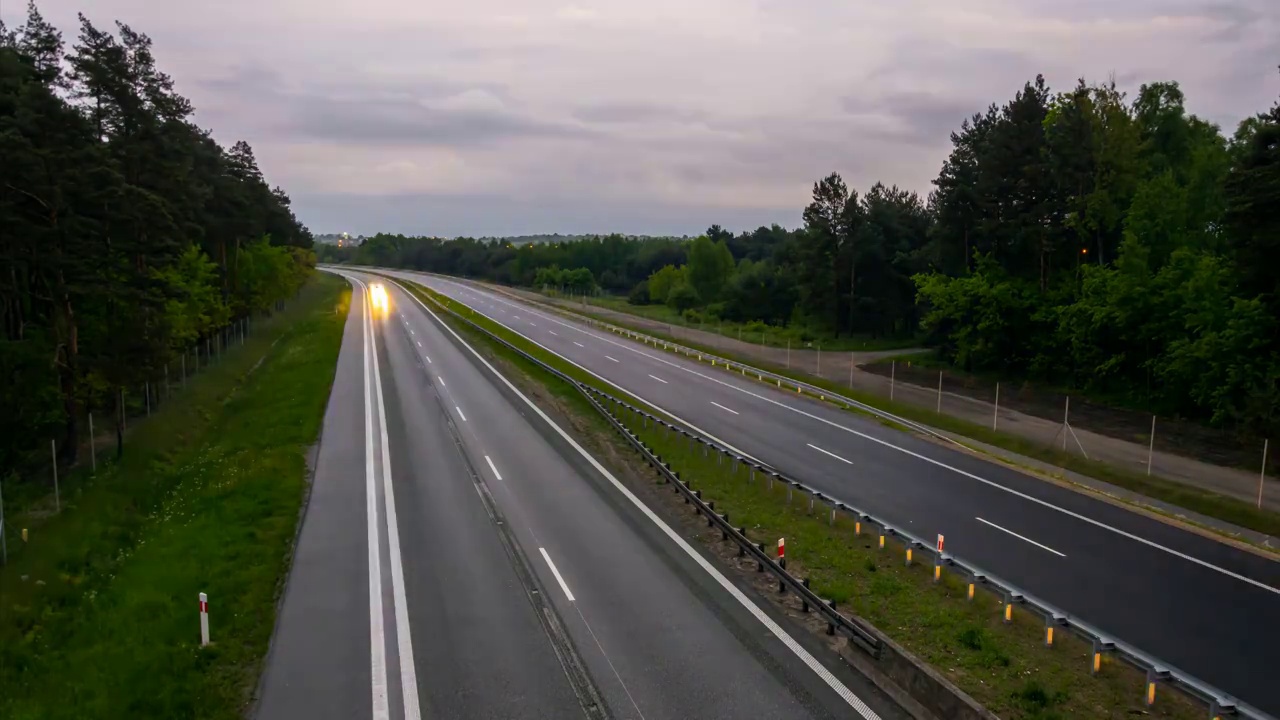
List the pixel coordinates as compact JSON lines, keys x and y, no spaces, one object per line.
{"x":756,"y":333}
{"x":98,"y":613}
{"x":1004,"y":666}
{"x":1195,"y":499}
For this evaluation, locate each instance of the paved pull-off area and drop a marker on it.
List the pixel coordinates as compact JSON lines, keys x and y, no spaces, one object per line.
{"x":462,"y":557}
{"x":1206,"y":608}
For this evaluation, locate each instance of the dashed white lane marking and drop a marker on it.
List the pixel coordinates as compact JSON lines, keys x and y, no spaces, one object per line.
{"x":655,"y":377}
{"x":1020,"y":537}
{"x":553,"y":332}
{"x":555,"y":571}
{"x":735,"y":412}
{"x":493,"y":467}
{"x":419,"y":343}
{"x":575,"y":342}
{"x":606,"y":357}
{"x":464,"y":417}
{"x":828,"y":452}
{"x":441,"y":381}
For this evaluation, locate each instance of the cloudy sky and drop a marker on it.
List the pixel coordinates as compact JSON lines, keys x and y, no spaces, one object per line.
{"x":486,"y":117}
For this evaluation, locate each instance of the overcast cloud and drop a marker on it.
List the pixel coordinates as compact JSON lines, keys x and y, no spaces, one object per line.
{"x":647,"y":116}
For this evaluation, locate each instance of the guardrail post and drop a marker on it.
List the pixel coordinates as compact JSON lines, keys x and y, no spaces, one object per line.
{"x":1154,"y":675}
{"x":908,"y":556}
{"x":831,"y":626}
{"x":1008,"y":608}
{"x":882,"y":531}
{"x":804,"y":600}
{"x":1099,"y":646}
{"x":1050,"y":622}
{"x":759,"y":562}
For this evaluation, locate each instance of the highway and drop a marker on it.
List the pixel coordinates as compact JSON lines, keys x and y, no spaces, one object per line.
{"x":1205,"y":607}
{"x":461,"y":556}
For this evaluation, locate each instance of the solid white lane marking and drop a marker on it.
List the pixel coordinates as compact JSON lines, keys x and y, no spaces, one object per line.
{"x":464,"y":417}
{"x":773,"y":627}
{"x":1020,"y":537}
{"x":404,"y":641}
{"x":493,"y":467}
{"x":655,"y":377}
{"x":606,"y":357}
{"x":938,"y":463}
{"x":602,"y":378}
{"x":377,"y":634}
{"x":575,"y":342}
{"x":555,"y":571}
{"x":735,"y":412}
{"x":828,"y":452}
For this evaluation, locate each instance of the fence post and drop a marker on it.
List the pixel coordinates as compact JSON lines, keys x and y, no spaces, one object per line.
{"x":184,"y":368}
{"x":4,"y":545}
{"x":819,"y":370}
{"x":166,"y":381}
{"x":57,"y":498}
{"x":146,"y":391}
{"x":893,"y":370}
{"x":851,"y":356}
{"x":939,"y":391}
{"x":124,"y":414}
{"x":1066,"y":415}
{"x":788,"y":353}
{"x":1263,"y":475}
{"x":93,"y":450}
{"x":1151,"y":448}
{"x":995,"y":414}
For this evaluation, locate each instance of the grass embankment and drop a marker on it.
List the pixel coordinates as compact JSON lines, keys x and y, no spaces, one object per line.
{"x":755,"y":332}
{"x":1205,"y":502}
{"x":1006,"y":667}
{"x":98,"y":613}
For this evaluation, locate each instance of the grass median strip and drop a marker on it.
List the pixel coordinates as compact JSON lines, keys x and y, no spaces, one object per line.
{"x":1005,"y":666}
{"x":98,"y":615}
{"x":1201,"y":501}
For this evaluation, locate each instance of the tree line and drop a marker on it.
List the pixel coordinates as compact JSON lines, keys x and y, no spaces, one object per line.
{"x":127,"y":234}
{"x":1126,"y":248}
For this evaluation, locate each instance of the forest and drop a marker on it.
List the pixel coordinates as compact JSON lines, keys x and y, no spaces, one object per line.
{"x":1118,"y":246}
{"x":127,"y":233}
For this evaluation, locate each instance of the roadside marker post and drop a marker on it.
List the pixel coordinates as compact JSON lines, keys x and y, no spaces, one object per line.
{"x":782,"y":552}
{"x":204,"y":619}
{"x":57,"y":497}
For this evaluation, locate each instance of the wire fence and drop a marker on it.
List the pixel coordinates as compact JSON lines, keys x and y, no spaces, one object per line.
{"x":1229,"y":462}
{"x":30,"y":489}
{"x":1157,"y":672}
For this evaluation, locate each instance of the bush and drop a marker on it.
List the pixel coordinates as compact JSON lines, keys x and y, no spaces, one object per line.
{"x":683,"y":297}
{"x":692,"y":316}
{"x":639,"y":294}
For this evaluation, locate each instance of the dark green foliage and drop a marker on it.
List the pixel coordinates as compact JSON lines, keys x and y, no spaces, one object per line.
{"x":1125,"y":250}
{"x":126,"y":233}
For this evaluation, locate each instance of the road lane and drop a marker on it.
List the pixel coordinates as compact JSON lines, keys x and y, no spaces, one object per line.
{"x":1156,"y":577}
{"x":660,"y":636}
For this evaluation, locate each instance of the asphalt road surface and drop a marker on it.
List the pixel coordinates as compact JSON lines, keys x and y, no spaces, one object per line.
{"x":462,"y":557}
{"x":1205,"y":607}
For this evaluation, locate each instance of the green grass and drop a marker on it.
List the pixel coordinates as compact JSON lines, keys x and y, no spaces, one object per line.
{"x":756,"y":332}
{"x":1205,"y":502}
{"x":98,"y":614}
{"x":1004,"y":666}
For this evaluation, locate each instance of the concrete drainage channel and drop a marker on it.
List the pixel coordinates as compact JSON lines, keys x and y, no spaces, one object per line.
{"x":933,"y":691}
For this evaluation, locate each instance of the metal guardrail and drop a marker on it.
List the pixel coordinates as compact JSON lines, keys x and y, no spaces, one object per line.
{"x":855,"y":631}
{"x":1220,"y":704}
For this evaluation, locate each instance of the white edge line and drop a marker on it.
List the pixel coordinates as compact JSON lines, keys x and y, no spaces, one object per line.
{"x":404,"y":641}
{"x":809,"y":660}
{"x":605,"y":380}
{"x":1020,"y":537}
{"x":377,"y":635}
{"x":938,"y":463}
{"x":735,"y":412}
{"x":556,"y":571}
{"x":493,"y":467}
{"x":828,"y":452}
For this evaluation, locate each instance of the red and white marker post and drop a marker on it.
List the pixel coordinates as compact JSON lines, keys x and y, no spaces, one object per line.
{"x":782,"y":552}
{"x":204,"y":619}
{"x":939,"y":543}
